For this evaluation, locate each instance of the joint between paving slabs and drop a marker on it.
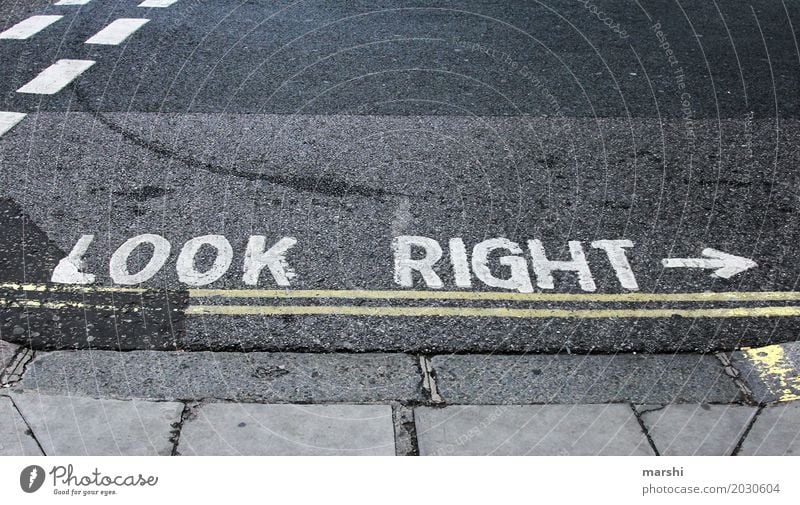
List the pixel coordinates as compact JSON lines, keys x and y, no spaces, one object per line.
{"x":643,"y":427}
{"x":746,"y":431}
{"x":16,"y":369}
{"x":28,"y":430}
{"x":736,"y":376}
{"x":429,"y":380}
{"x":405,"y":430}
{"x":188,"y":413}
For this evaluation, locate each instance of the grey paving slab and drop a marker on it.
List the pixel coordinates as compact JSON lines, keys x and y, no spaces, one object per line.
{"x":15,"y":437}
{"x":75,"y":426}
{"x":281,"y":429}
{"x":772,"y":372}
{"x":7,"y":352}
{"x":263,"y":377}
{"x":530,"y":430}
{"x":637,"y":378}
{"x":696,"y":430}
{"x":776,"y":432}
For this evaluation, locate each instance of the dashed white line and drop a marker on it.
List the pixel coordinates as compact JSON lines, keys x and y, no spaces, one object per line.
{"x":56,"y":76}
{"x":8,"y":120}
{"x":157,"y":3}
{"x":29,"y":27}
{"x":72,"y":2}
{"x":117,"y":31}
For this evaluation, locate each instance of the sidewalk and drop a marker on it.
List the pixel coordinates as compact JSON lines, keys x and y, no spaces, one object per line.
{"x":176,"y":403}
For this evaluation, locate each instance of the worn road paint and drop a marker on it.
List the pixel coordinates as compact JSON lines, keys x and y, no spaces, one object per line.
{"x":354,"y":294}
{"x":29,"y":27}
{"x":544,"y":268}
{"x":725,"y":265}
{"x":117,"y":31}
{"x":775,"y":370}
{"x":345,"y":310}
{"x":9,"y":119}
{"x":157,"y":3}
{"x":68,"y":270}
{"x":188,"y":274}
{"x":52,"y":79}
{"x":38,"y":304}
{"x":118,"y":266}
{"x":274,"y":258}
{"x":405,"y":263}
{"x":72,"y":2}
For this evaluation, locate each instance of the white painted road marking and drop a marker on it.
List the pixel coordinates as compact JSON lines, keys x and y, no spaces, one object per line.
{"x":52,"y":79}
{"x":414,"y":257}
{"x":29,"y":27}
{"x":725,"y":265}
{"x":117,"y":31}
{"x":515,"y":263}
{"x":68,"y":270}
{"x":188,"y":274}
{"x":72,"y":2}
{"x":157,"y":3}
{"x":118,"y":267}
{"x":8,"y":120}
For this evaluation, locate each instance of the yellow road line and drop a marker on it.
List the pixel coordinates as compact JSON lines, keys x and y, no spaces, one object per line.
{"x":36,"y":304}
{"x":346,"y":310}
{"x":775,"y":371}
{"x":354,"y":294}
{"x":68,"y":288}
{"x":731,"y":296}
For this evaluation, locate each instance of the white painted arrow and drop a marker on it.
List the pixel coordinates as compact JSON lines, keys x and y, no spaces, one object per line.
{"x":725,"y":265}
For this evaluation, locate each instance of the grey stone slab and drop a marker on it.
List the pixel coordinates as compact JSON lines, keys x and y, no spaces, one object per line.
{"x":772,"y":372}
{"x":75,"y":426}
{"x":530,"y":430}
{"x":637,"y":378}
{"x":15,"y":438}
{"x":282,"y":429}
{"x":263,"y":377}
{"x":696,"y":429}
{"x":7,"y":352}
{"x":776,"y":432}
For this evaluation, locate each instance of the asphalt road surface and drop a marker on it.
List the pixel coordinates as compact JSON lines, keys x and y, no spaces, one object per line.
{"x":463,"y":176}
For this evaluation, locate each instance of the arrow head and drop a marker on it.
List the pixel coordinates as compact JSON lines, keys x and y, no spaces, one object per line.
{"x":732,"y":264}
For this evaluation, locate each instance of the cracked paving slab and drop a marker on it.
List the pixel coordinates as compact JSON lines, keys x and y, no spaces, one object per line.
{"x":16,"y":439}
{"x":75,"y":426}
{"x":696,"y":429}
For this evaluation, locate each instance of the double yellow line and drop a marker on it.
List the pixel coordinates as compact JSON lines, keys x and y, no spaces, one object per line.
{"x":502,"y":312}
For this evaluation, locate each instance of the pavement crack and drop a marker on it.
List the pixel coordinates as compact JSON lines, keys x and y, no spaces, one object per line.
{"x":188,"y":413}
{"x":746,"y":431}
{"x":429,"y":380}
{"x":15,"y":370}
{"x":29,"y":429}
{"x":732,"y":372}
{"x":643,"y":426}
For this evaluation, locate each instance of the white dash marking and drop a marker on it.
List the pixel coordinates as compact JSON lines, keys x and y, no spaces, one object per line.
{"x":117,"y":31}
{"x":157,"y":3}
{"x":8,"y":120}
{"x":52,"y":79}
{"x":72,"y":2}
{"x":29,"y":27}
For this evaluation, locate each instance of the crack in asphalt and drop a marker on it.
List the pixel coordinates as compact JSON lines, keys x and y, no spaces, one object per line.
{"x":326,"y":186}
